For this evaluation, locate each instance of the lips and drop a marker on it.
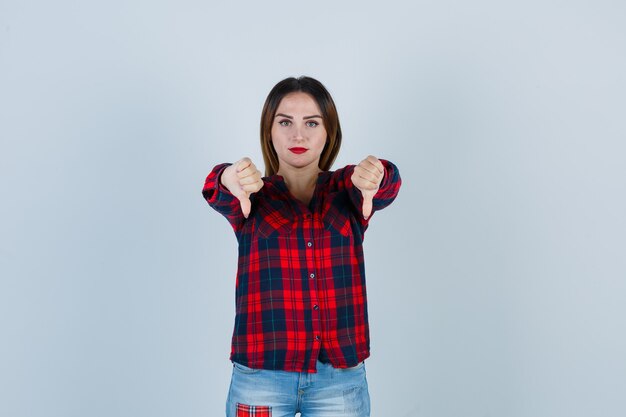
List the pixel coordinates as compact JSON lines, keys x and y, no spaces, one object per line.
{"x":298,"y":150}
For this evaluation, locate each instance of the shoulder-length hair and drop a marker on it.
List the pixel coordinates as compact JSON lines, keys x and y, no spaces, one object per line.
{"x":327,"y":107}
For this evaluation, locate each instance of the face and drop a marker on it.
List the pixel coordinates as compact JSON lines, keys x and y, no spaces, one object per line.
{"x":298,"y":132}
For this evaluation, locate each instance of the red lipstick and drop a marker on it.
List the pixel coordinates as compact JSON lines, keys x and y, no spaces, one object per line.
{"x":298,"y":150}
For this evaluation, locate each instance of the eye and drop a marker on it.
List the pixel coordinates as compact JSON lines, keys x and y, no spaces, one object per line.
{"x":284,"y":122}
{"x":312,"y":123}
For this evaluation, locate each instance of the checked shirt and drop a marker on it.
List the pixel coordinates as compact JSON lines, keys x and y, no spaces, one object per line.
{"x":301,"y":278}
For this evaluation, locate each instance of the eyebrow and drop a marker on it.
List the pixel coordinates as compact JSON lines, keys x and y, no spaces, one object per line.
{"x":291,"y":117}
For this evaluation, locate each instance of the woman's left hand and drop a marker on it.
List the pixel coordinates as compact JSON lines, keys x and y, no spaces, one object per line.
{"x":367,"y":177}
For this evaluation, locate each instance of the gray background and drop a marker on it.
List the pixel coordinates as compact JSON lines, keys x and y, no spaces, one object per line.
{"x":497,"y":280}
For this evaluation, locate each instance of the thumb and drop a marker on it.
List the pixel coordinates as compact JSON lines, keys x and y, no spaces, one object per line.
{"x":244,"y":202}
{"x":367,"y":205}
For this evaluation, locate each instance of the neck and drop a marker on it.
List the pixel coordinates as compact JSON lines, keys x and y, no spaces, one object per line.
{"x":299,"y":179}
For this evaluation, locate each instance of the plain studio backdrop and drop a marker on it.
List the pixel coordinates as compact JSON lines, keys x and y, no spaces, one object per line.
{"x":497,"y":279}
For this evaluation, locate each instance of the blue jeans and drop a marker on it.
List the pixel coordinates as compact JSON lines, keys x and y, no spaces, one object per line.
{"x":331,"y":392}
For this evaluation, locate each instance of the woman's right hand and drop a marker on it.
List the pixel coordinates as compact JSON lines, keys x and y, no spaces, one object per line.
{"x":242,"y":179}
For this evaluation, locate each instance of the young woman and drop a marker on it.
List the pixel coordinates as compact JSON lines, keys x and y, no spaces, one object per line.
{"x":301,"y":329}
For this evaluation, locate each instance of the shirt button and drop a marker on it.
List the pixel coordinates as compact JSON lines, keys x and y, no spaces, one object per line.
{"x":309,"y":244}
{"x":316,"y":307}
{"x":317,"y":338}
{"x":312,"y":275}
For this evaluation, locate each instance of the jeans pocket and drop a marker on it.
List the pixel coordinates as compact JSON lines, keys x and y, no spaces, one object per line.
{"x":244,"y":369}
{"x":356,"y":401}
{"x":356,"y":367}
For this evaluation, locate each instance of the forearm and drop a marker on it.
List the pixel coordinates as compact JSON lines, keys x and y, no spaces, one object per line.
{"x":389,"y":187}
{"x":219,"y":197}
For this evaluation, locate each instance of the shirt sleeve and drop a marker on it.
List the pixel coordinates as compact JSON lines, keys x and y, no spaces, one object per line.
{"x":220,"y":199}
{"x":387,"y":192}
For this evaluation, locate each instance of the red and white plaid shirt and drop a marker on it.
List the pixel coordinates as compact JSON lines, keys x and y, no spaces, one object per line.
{"x":301,"y":276}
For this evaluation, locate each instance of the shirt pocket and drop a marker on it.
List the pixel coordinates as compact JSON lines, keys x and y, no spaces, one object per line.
{"x":273,"y":218}
{"x":337,"y":214}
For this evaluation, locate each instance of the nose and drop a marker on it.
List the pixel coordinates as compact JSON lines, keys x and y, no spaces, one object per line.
{"x":297,"y":132}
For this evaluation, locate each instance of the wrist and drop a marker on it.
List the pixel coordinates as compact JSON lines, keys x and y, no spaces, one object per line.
{"x":223,"y":177}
